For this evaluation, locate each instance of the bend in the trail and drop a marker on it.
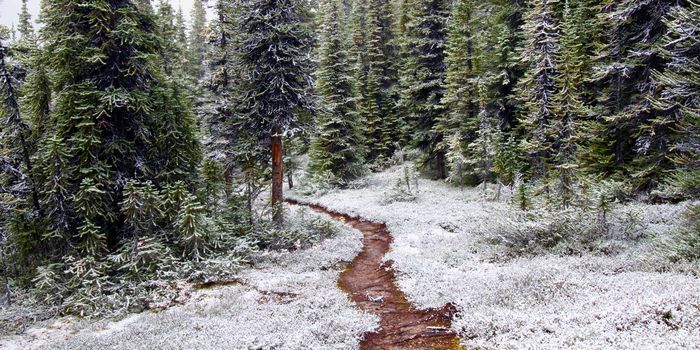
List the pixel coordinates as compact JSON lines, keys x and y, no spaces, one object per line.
{"x":371,"y":284}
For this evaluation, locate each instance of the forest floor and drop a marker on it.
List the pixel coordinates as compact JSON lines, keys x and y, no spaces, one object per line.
{"x":622,"y":296}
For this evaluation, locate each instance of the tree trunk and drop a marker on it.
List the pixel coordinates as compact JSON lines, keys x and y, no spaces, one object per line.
{"x":440,"y":165}
{"x":8,"y":296}
{"x":228,"y":180}
{"x":277,"y":177}
{"x":290,"y":179}
{"x":249,"y":185}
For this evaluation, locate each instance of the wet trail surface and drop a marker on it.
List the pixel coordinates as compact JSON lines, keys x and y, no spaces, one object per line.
{"x":371,"y":284}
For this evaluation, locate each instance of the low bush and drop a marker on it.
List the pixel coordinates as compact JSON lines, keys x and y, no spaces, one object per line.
{"x":302,"y":230}
{"x":405,"y":189}
{"x":594,"y":224}
{"x":684,"y":243}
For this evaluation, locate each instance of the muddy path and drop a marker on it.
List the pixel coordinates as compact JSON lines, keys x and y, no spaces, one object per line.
{"x":371,"y":284}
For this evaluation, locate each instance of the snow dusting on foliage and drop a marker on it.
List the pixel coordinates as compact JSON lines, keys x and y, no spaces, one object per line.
{"x":554,"y":300}
{"x":290,"y":300}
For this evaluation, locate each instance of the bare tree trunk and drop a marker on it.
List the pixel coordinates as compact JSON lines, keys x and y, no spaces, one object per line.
{"x":498,"y":191}
{"x":8,"y":297}
{"x":440,"y":164}
{"x":228,"y":180}
{"x":277,"y":177}
{"x":249,"y":185}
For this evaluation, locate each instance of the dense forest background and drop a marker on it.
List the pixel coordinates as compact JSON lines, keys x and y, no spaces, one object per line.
{"x":135,"y":149}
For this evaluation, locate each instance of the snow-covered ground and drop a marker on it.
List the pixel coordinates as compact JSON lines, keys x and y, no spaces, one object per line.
{"x":289,"y":301}
{"x":550,"y":301}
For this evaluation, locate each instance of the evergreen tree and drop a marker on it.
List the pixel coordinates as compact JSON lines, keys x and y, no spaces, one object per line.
{"x":382,"y":78}
{"x":679,"y":97}
{"x":366,"y":106}
{"x":537,"y":89}
{"x":461,"y":84}
{"x":145,"y":6}
{"x":36,"y":96}
{"x":185,"y":61}
{"x":181,"y":26}
{"x":423,"y":78}
{"x":623,"y":82}
{"x":219,"y":82}
{"x":15,"y":134}
{"x":174,"y":49}
{"x":275,"y":81}
{"x":197,"y":40}
{"x":375,"y":76}
{"x":482,"y":73}
{"x":338,"y":145}
{"x":114,"y":120}
{"x":25,"y":27}
{"x":34,"y":87}
{"x":568,"y":102}
{"x":503,"y":27}
{"x":485,"y":145}
{"x":23,"y":46}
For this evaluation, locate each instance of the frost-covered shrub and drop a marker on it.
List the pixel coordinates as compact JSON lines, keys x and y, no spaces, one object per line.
{"x":140,"y":258}
{"x":682,"y":184}
{"x":593,"y":221}
{"x":301,"y":231}
{"x":684,"y":243}
{"x":317,"y":183}
{"x":172,"y":238}
{"x":405,"y":188}
{"x":566,"y":231}
{"x":192,"y":228}
{"x":48,"y":283}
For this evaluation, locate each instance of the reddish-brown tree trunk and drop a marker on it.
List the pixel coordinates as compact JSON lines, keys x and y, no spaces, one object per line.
{"x":277,"y":176}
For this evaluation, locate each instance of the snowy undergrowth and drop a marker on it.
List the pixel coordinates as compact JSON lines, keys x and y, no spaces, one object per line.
{"x":290,"y":300}
{"x":588,"y":300}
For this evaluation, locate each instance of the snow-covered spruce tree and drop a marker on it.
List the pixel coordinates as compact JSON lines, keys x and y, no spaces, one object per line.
{"x":22,"y":47}
{"x":145,"y":5}
{"x":25,"y":27}
{"x":679,"y":97}
{"x":15,"y":134}
{"x":484,"y":147}
{"x":191,"y":226}
{"x":219,"y":81}
{"x":174,"y":48}
{"x":499,"y":39}
{"x":197,"y":40}
{"x":181,"y":29}
{"x":537,"y":89}
{"x":623,"y":85}
{"x":482,"y":72}
{"x":275,"y":80}
{"x":381,"y":93}
{"x":34,"y":89}
{"x":338,"y":146}
{"x":114,"y":119}
{"x":403,"y":10}
{"x":461,"y":100}
{"x":651,"y":161}
{"x":19,"y":197}
{"x":366,"y":106}
{"x":569,"y":107}
{"x":422,"y":81}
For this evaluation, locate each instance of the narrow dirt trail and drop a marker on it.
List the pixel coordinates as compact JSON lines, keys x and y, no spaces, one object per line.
{"x":371,"y":284}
